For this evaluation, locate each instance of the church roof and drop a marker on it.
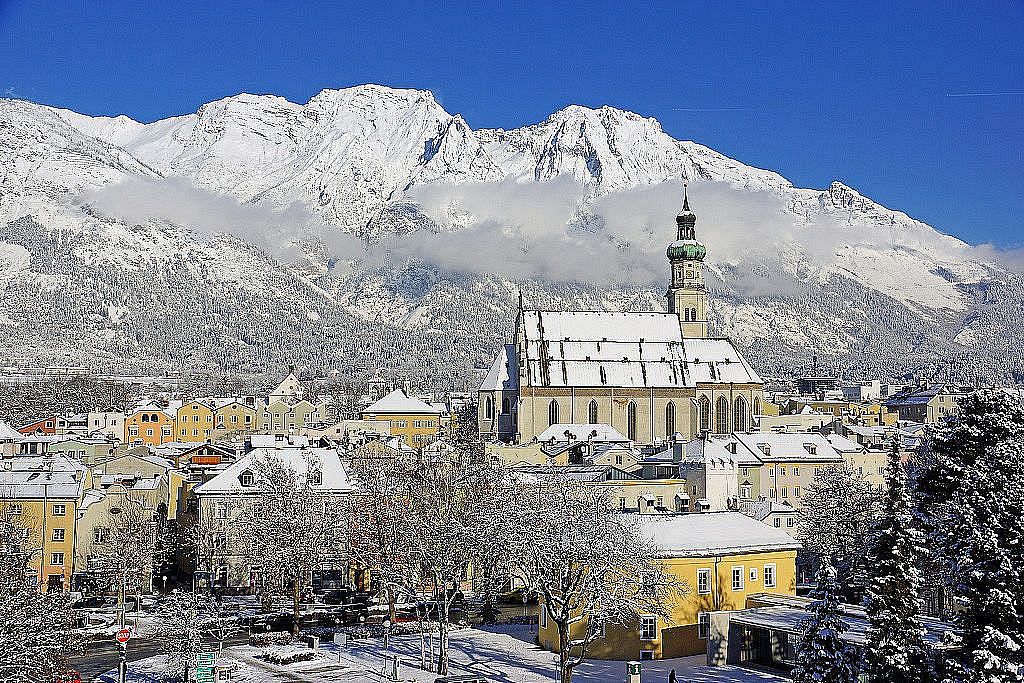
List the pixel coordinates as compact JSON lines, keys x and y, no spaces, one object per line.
{"x":504,"y":372}
{"x":616,"y":349}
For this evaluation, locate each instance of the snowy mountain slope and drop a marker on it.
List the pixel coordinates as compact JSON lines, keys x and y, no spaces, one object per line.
{"x":889,"y":295}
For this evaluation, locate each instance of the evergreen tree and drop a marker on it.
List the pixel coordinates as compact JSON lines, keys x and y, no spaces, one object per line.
{"x":895,"y":649}
{"x":972,"y":501}
{"x":821,"y":655}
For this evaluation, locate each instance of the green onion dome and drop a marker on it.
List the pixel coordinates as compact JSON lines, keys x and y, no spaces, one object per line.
{"x":687,"y":249}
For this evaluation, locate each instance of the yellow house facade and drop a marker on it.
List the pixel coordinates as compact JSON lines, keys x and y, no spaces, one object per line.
{"x":417,"y":422}
{"x":42,"y":497}
{"x":722,"y":557}
{"x":234,"y":417}
{"x":193,"y":422}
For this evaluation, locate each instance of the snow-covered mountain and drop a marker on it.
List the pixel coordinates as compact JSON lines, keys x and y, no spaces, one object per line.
{"x":885,"y":294}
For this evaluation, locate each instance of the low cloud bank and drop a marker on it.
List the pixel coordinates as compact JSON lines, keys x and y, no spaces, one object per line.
{"x":554,"y":230}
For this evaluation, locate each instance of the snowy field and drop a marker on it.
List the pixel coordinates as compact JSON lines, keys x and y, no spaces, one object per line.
{"x":501,"y":655}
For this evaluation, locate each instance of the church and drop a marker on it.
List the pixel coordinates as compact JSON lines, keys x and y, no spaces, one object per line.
{"x":650,"y":376}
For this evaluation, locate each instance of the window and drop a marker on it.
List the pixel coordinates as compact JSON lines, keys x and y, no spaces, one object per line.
{"x":670,"y":419}
{"x":316,"y":477}
{"x":631,"y":421}
{"x":757,"y":405}
{"x":544,"y":616}
{"x":811,"y":448}
{"x":785,"y":492}
{"x":15,"y":508}
{"x":58,"y":535}
{"x":796,"y":471}
{"x":703,"y":625}
{"x":745,"y":492}
{"x":739,"y":417}
{"x":133,"y":431}
{"x":737,"y":578}
{"x":753,"y":574}
{"x":771,"y":472}
{"x":648,"y":627}
{"x":660,"y":502}
{"x":646,"y":655}
{"x":60,"y":509}
{"x":772,"y":493}
{"x":796,"y":491}
{"x":722,"y":415}
{"x":246,"y":478}
{"x":778,"y":522}
{"x":790,"y":521}
{"x":782,"y":471}
{"x":703,"y":581}
{"x":618,"y":459}
{"x":488,"y":408}
{"x":769,"y":576}
{"x":57,"y":559}
{"x":101,"y":535}
{"x":552,"y":412}
{"x":622,"y":503}
{"x":220,"y":510}
{"x":705,"y":414}
{"x":149,"y":432}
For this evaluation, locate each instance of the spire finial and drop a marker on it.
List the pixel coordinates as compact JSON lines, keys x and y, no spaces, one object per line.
{"x":686,"y":200}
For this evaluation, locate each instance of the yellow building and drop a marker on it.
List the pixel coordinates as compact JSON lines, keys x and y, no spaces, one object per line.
{"x":42,"y":495}
{"x":723,"y":557}
{"x":415,"y":421}
{"x":193,"y":422}
{"x":234,"y":417}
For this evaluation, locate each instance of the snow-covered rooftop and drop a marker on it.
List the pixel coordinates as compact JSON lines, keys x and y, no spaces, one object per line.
{"x":504,"y":372}
{"x":582,"y":432}
{"x":334,"y":478}
{"x":602,"y":348}
{"x":398,"y":402}
{"x":712,"y":533}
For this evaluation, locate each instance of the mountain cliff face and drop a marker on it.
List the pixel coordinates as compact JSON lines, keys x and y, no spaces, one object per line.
{"x":80,"y":283}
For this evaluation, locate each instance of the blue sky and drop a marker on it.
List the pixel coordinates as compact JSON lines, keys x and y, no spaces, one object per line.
{"x":919,"y":106}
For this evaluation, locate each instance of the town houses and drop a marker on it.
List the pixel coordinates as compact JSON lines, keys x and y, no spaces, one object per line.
{"x":674,"y":429}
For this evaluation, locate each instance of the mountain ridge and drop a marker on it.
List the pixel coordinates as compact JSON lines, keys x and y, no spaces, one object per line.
{"x":364,"y":161}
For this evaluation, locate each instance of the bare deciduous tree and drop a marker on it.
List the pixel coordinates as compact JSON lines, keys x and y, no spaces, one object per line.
{"x":590,"y":565}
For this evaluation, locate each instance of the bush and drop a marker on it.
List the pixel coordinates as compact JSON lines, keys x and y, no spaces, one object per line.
{"x":288,"y":656}
{"x":271,"y":638}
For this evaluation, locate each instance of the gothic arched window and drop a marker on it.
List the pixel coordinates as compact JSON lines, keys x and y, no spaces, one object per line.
{"x":592,"y":412}
{"x":506,"y":406}
{"x":488,"y":408}
{"x":722,"y":415}
{"x":757,"y":405}
{"x":705,"y":414}
{"x":739,"y":414}
{"x":553,"y":412}
{"x":631,"y":421}
{"x":670,"y":419}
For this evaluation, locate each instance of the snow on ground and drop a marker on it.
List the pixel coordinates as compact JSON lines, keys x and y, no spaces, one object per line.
{"x":499,"y":654}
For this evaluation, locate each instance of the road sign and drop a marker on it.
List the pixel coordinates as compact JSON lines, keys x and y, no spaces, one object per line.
{"x":124,"y":635}
{"x":205,"y":664}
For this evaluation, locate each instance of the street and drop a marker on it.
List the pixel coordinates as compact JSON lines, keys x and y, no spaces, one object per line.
{"x":101,"y":656}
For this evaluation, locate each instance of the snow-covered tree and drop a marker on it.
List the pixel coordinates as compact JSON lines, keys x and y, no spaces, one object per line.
{"x":449,"y":518}
{"x":590,"y":565}
{"x":972,"y":502}
{"x":128,"y":557}
{"x":379,"y":538}
{"x":37,"y":630}
{"x":839,"y":514}
{"x":895,"y":649}
{"x":821,"y":654}
{"x":188,"y":623}
{"x":293,"y":526}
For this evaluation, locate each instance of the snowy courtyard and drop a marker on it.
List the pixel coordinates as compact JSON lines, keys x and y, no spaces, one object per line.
{"x":500,"y":655}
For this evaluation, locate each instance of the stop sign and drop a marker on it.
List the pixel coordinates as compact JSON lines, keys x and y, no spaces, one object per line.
{"x":123,"y":636}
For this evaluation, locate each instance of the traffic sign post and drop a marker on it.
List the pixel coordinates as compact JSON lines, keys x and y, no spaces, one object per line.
{"x":204,"y":667}
{"x":122,"y":637}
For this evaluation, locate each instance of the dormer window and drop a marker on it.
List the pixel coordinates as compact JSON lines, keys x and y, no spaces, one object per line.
{"x":315,"y":477}
{"x":247,"y":478}
{"x":811,"y":448}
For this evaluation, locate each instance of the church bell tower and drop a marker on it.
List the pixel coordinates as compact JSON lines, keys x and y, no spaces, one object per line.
{"x":687,"y":297}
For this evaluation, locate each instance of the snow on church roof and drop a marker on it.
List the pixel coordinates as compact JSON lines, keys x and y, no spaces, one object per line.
{"x":602,"y":348}
{"x":504,"y":372}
